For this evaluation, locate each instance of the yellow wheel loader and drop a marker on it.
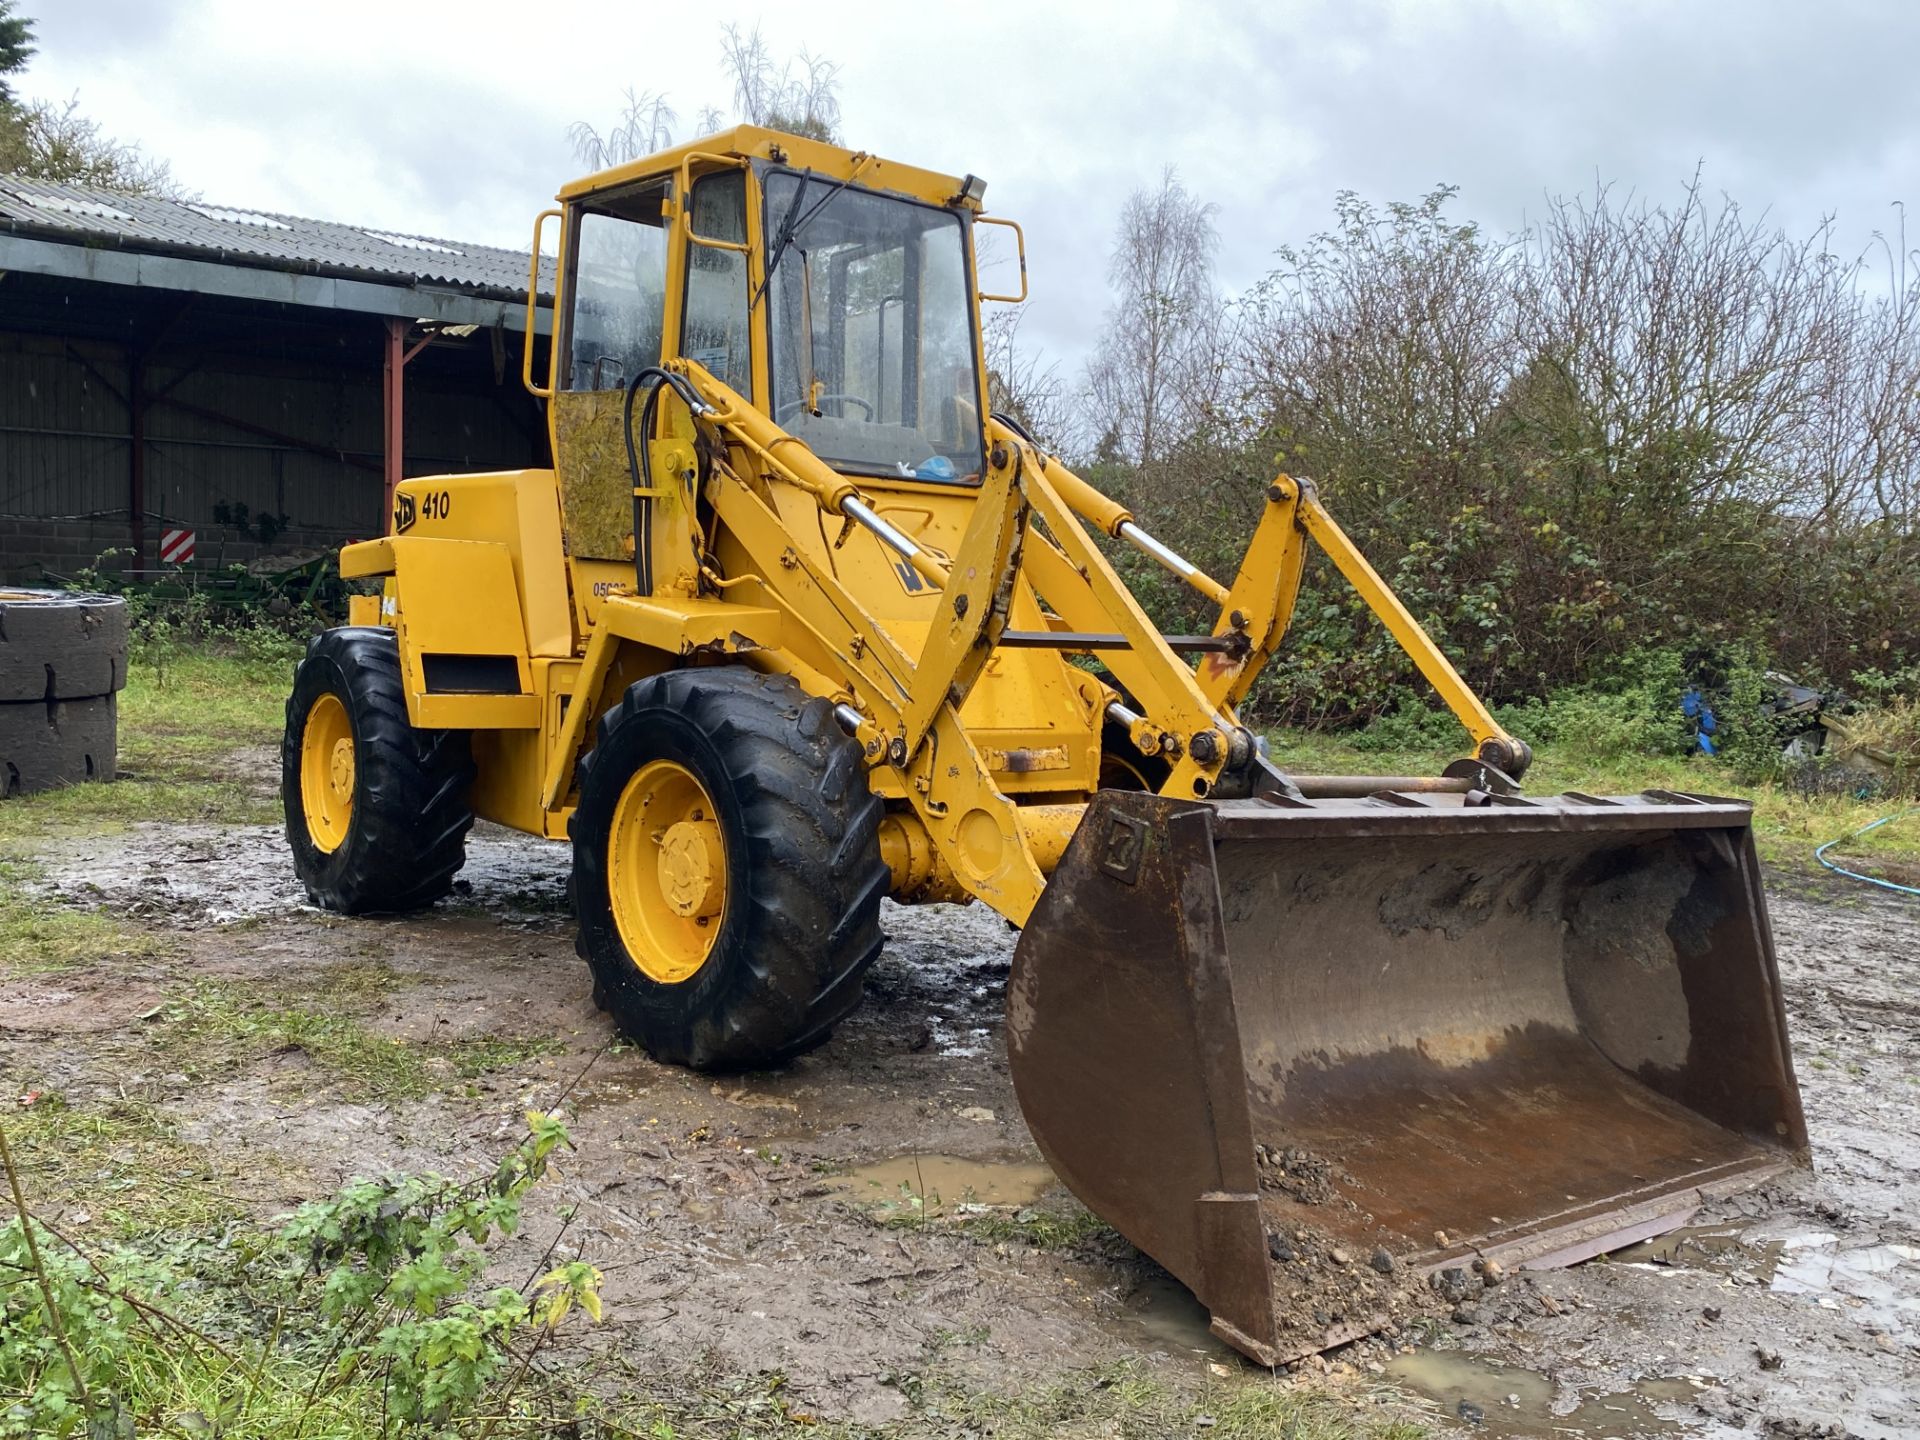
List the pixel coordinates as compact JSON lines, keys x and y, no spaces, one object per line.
{"x":794,"y":623}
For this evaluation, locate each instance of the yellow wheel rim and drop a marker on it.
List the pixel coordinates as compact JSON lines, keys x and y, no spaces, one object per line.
{"x":326,"y":773}
{"x":667,"y":871}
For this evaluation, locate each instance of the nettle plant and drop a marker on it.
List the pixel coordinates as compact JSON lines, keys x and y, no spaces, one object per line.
{"x":397,"y":1259}
{"x":379,"y":1280}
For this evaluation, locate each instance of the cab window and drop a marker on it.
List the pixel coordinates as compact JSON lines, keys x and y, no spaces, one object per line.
{"x":714,"y":331}
{"x":619,"y":289}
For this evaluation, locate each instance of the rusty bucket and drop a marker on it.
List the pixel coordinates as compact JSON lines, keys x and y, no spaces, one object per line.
{"x":1305,"y":1054}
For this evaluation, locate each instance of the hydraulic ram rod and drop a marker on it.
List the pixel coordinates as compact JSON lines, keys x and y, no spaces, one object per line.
{"x":858,"y":511}
{"x":1174,"y":561}
{"x":1116,"y":520}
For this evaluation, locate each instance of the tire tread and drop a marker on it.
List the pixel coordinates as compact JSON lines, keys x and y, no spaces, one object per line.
{"x":814,"y":877}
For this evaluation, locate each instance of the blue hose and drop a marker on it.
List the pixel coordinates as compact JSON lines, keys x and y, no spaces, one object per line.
{"x":1821,"y":854}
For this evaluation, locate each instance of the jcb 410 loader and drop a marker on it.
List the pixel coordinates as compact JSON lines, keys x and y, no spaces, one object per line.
{"x":794,"y":623}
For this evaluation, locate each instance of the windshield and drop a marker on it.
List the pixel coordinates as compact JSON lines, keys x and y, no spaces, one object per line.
{"x":872,"y":328}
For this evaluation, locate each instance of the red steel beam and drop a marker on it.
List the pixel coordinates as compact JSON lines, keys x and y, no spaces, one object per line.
{"x":393,"y":399}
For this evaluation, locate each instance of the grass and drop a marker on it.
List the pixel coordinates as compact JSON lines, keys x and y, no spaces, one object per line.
{"x":1787,"y":823}
{"x":198,"y":741}
{"x":41,"y":935}
{"x":1118,"y":1402}
{"x":121,"y":1165}
{"x":181,"y":729}
{"x":218,"y":1028}
{"x":1125,"y":1403}
{"x":198,"y":734}
{"x":1064,"y":1227}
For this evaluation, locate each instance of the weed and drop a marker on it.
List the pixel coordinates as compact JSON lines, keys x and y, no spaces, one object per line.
{"x":122,"y":1167}
{"x":1042,"y":1228}
{"x":358,"y":1314}
{"x":41,"y":935}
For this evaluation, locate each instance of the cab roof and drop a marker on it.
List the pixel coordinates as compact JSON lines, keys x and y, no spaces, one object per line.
{"x":754,"y":142}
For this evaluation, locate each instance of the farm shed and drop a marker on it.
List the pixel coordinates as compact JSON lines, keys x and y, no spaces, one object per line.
{"x":256,"y":378}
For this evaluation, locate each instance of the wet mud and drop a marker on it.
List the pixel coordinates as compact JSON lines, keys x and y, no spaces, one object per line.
{"x":878,"y":1210}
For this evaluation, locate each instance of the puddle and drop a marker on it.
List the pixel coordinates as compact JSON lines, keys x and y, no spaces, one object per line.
{"x":1714,"y":1248}
{"x":1503,"y":1400}
{"x":941,"y":1184}
{"x":952,"y":1041}
{"x":1860,"y":1281}
{"x":1174,"y":1321}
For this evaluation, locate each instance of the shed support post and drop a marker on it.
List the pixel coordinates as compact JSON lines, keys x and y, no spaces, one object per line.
{"x":394,"y":404}
{"x":137,"y":457}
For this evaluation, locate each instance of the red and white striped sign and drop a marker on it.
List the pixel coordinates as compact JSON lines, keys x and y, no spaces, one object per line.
{"x":176,"y":546}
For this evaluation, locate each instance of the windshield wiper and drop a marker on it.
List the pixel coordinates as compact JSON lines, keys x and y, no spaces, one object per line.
{"x":783,"y":237}
{"x":791,"y":224}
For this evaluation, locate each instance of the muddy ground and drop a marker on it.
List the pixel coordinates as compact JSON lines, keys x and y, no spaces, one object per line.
{"x":877,"y":1213}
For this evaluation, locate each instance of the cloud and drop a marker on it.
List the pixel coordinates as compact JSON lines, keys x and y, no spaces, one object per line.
{"x":450,"y":119}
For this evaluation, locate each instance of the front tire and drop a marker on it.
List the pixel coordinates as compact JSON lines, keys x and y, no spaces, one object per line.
{"x":726,"y":867}
{"x":377,"y":811}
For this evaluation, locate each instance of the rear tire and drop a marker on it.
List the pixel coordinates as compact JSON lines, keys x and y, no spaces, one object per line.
{"x":795,"y":834}
{"x":380,"y":825}
{"x":61,"y":645}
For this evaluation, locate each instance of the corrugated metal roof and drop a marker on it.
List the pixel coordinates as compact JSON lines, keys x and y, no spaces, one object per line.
{"x":263,"y":239}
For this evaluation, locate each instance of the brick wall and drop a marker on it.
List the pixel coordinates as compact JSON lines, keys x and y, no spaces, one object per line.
{"x":34,"y":547}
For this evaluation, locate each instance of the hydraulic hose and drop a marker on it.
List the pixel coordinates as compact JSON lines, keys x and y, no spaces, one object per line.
{"x":640,"y":460}
{"x":1821,"y":854}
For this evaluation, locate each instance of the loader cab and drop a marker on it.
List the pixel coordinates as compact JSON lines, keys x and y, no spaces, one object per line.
{"x":834,"y":291}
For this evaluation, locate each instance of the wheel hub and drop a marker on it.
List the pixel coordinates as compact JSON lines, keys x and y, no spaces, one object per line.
{"x":327,"y":772}
{"x":687,"y":870}
{"x":341,"y":770}
{"x":666,"y":871}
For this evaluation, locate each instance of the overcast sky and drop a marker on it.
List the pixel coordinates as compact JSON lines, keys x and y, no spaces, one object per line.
{"x":450,"y":119}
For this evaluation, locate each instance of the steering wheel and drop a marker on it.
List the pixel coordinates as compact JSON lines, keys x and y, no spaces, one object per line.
{"x":795,"y":406}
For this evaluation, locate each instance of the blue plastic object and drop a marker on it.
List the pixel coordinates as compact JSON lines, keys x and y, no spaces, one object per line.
{"x":936,"y":467}
{"x":1705,"y":726}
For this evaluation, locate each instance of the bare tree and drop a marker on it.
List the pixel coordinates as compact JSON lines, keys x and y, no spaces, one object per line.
{"x":645,"y":125}
{"x":51,"y":141}
{"x":1024,"y":386}
{"x":1160,"y":331}
{"x":798,"y":95}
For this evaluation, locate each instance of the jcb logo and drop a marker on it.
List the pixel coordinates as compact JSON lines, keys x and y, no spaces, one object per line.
{"x":911,"y":580}
{"x":1123,"y":848}
{"x":403,"y":513}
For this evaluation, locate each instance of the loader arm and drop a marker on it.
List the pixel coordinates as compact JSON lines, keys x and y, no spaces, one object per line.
{"x":1188,"y":713}
{"x":1258,"y":608}
{"x":982,"y":834}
